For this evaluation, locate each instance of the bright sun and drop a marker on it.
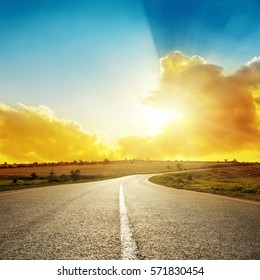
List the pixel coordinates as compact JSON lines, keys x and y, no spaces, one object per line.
{"x":158,"y":119}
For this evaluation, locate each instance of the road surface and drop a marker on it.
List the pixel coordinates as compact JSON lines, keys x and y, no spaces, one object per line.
{"x":126,"y":218}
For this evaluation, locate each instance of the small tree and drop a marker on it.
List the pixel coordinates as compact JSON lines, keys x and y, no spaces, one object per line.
{"x":15,"y":180}
{"x":179,"y":166}
{"x":106,"y":161}
{"x":52,"y":177}
{"x":190,"y":177}
{"x":34,"y":176}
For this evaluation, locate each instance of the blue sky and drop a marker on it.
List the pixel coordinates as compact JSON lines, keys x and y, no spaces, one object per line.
{"x":223,"y":31}
{"x":92,"y":61}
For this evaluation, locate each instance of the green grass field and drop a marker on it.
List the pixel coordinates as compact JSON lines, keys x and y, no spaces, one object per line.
{"x":236,"y":181}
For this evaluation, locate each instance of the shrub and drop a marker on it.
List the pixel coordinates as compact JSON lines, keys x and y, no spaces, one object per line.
{"x":34,"y":176}
{"x":64,"y":178}
{"x":53,"y":178}
{"x":179,"y":180}
{"x":237,"y":189}
{"x":75,"y":174}
{"x":179,"y":166}
{"x":106,"y":161}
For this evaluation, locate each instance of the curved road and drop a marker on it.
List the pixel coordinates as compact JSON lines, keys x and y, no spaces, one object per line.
{"x":126,"y":218}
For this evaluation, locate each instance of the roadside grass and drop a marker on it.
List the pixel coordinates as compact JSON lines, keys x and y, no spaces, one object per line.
{"x":44,"y":182}
{"x":236,"y":181}
{"x":89,"y":172}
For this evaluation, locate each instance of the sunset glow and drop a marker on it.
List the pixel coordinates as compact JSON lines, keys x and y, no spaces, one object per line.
{"x":129,"y":79}
{"x":156,"y":119}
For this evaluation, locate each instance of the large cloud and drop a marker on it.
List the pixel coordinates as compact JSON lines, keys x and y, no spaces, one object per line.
{"x":219,"y":114}
{"x":36,"y":134}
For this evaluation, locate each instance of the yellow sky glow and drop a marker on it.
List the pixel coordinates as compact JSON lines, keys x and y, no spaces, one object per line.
{"x":194,"y":113}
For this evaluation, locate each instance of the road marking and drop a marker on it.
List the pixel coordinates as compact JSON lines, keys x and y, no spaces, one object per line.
{"x":129,"y":247}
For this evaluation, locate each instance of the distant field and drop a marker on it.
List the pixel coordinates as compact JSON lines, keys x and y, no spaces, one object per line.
{"x":89,"y":172}
{"x":236,"y":181}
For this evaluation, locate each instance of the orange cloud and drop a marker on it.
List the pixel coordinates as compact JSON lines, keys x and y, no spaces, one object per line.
{"x":219,"y":114}
{"x":213,"y":116}
{"x":35,"y":134}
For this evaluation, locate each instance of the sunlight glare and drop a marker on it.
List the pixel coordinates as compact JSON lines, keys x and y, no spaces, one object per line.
{"x":158,"y":119}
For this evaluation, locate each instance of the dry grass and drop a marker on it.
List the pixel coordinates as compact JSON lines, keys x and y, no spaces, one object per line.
{"x":221,"y":178}
{"x":236,"y":181}
{"x":90,"y":172}
{"x":114,"y":168}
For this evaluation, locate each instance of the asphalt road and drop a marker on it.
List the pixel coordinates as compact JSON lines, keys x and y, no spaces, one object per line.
{"x":126,"y":218}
